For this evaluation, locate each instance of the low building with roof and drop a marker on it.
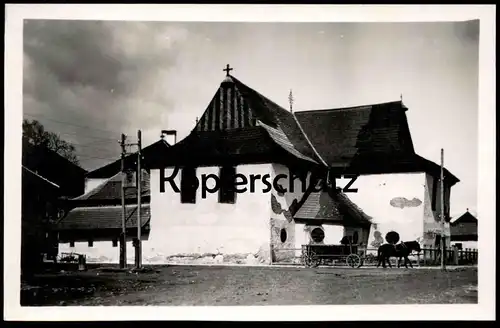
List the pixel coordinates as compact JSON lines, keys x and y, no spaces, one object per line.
{"x":464,"y":231}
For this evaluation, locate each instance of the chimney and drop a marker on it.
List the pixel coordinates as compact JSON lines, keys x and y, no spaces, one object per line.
{"x":165,"y":133}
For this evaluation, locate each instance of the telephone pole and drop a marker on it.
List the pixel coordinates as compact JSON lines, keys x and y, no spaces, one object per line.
{"x":138,"y":249}
{"x":443,"y":255}
{"x":123,"y":237}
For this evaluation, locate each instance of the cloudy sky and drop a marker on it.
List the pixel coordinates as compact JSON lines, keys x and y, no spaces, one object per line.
{"x":90,"y":81}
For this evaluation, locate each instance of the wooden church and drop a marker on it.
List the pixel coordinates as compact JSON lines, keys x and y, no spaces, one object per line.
{"x":253,"y":182}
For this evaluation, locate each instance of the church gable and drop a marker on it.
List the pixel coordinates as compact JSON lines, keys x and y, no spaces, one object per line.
{"x":242,"y":126}
{"x":228,"y":110}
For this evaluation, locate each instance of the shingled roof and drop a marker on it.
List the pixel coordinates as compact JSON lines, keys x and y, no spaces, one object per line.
{"x":103,"y":217}
{"x":464,"y":228}
{"x":467,"y":217}
{"x":343,"y":133}
{"x":370,"y":139}
{"x":240,"y":122}
{"x":111,"y":189}
{"x":338,"y":209}
{"x":100,"y":208}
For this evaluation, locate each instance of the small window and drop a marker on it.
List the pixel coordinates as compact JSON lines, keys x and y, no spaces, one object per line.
{"x":115,"y":242}
{"x":189,"y":185}
{"x":71,"y":244}
{"x":227,"y":178}
{"x":317,"y":235}
{"x":91,"y":243}
{"x":283,"y":235}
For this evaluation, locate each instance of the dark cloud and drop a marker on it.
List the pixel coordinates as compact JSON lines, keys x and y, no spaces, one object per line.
{"x":107,"y":76}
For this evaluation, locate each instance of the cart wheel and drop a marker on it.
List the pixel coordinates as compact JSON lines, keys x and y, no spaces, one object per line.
{"x":310,"y":261}
{"x":354,"y":261}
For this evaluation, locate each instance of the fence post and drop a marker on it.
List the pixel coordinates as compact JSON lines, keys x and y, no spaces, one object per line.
{"x":455,"y":255}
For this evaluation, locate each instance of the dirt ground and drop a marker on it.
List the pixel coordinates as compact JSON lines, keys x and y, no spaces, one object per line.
{"x":220,"y":285}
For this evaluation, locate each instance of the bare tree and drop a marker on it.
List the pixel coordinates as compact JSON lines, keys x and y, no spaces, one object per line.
{"x":35,"y":134}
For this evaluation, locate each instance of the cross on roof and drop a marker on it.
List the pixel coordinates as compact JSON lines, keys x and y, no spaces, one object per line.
{"x":227,"y":69}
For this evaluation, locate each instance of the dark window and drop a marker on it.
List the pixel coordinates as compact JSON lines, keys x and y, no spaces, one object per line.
{"x":71,"y":244}
{"x":434,"y":193}
{"x":317,"y":235}
{"x":283,"y":235}
{"x":91,"y":243}
{"x":189,"y":184}
{"x":115,"y":242}
{"x":227,"y":178}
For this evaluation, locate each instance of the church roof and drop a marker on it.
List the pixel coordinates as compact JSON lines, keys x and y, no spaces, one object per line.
{"x":370,"y":139}
{"x":341,"y":134}
{"x":240,"y":121}
{"x":337,"y":209}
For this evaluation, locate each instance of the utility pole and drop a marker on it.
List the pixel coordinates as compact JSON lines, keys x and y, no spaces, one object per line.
{"x":123,"y":237}
{"x":443,"y":256}
{"x":138,"y":249}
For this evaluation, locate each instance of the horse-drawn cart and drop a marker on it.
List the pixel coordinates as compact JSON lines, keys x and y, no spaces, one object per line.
{"x":314,"y":255}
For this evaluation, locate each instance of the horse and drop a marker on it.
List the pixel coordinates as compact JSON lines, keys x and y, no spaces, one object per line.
{"x":401,"y":250}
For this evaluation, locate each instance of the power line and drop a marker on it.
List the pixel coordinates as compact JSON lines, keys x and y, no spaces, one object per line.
{"x":67,"y":123}
{"x":95,"y":157}
{"x":87,"y":136}
{"x":90,"y":146}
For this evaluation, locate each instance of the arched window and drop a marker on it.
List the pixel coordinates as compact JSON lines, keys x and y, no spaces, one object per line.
{"x":317,"y":235}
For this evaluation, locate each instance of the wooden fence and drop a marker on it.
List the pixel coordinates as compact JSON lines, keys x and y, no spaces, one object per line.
{"x":427,"y":257}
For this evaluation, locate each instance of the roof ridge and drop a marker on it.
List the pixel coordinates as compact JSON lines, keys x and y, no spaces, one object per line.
{"x":308,"y":141}
{"x":326,"y":110}
{"x":39,"y":176}
{"x":276,"y":112}
{"x":97,"y":188}
{"x":280,"y":131}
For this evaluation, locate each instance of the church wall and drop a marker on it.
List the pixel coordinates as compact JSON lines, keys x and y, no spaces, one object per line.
{"x":432,"y":224}
{"x":234,"y":230}
{"x":394,"y":201}
{"x":333,"y":234}
{"x":281,"y":214}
